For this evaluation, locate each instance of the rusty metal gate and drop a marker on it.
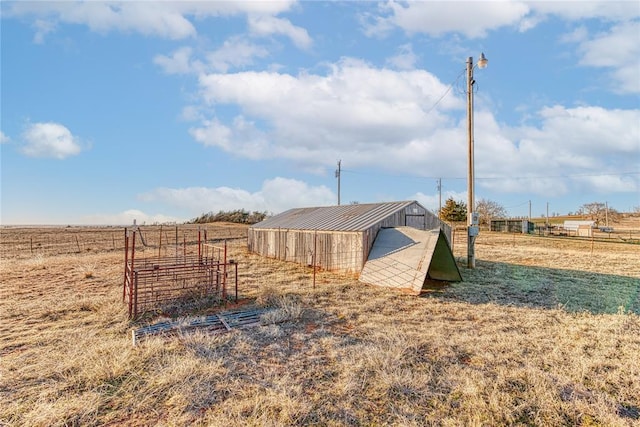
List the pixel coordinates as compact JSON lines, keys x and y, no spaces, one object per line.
{"x":155,"y":282}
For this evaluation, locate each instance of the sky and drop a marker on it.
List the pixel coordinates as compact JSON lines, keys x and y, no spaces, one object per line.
{"x":161,"y":111}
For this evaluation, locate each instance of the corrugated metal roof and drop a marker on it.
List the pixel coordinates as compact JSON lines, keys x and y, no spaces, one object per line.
{"x":334,"y":218}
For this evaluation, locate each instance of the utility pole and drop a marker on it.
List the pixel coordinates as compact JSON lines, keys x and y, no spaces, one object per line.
{"x":606,"y":214}
{"x":529,"y":210}
{"x":439,"y":196}
{"x":338,"y":172}
{"x":547,"y":213}
{"x":471,"y":258}
{"x":472,"y":218}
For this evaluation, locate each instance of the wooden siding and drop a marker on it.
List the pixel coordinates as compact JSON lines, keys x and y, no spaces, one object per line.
{"x":335,"y":251}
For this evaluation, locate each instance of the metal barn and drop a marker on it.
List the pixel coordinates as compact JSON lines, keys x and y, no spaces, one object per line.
{"x":523,"y":226}
{"x":337,"y":238}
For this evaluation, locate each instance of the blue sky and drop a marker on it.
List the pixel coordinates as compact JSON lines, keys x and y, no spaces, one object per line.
{"x":161,"y":111}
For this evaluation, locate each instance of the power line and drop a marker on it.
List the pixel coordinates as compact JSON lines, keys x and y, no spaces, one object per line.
{"x":518,"y":205}
{"x":492,"y":177}
{"x":445,"y":93}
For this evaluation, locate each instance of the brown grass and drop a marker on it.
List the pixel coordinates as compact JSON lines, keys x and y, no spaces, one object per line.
{"x":543,"y":332}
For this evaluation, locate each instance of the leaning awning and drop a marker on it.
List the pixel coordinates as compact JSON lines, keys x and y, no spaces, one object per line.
{"x":405,"y":258}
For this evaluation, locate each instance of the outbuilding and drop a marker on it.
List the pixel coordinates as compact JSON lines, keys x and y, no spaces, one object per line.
{"x":337,"y":238}
{"x":579,"y":228}
{"x":517,"y":225}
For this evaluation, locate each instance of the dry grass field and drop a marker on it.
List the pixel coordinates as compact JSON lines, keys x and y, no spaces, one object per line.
{"x":545,"y":331}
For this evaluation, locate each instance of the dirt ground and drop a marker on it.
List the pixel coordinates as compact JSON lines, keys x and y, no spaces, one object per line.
{"x":544,"y":331}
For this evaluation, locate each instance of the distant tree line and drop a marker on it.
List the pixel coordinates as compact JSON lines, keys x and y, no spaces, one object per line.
{"x":239,"y":216}
{"x":456,"y":211}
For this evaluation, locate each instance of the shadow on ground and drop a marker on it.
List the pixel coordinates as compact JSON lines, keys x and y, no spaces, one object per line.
{"x":540,"y":287}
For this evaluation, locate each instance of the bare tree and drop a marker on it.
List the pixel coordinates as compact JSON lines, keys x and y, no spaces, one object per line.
{"x":488,"y":209}
{"x":599,"y":212}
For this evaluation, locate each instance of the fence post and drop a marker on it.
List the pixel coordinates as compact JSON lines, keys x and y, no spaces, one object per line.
{"x":236,"y":267}
{"x":199,"y":247}
{"x":313,"y":258}
{"x":135,"y":298}
{"x":453,"y":237}
{"x":133,"y":294}
{"x":126,"y":255}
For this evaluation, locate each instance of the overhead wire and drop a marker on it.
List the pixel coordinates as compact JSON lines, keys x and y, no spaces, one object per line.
{"x":492,"y":177}
{"x":455,"y":81}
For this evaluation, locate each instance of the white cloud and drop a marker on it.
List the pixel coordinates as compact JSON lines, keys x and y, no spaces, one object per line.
{"x":213,"y":133}
{"x":593,"y":130}
{"x":609,"y":183}
{"x":405,"y":59}
{"x":377,"y":118}
{"x":578,"y":35}
{"x":265,"y":25}
{"x":355,"y":109}
{"x":617,"y":49}
{"x":179,"y":62}
{"x":162,"y":19}
{"x":127,"y":217}
{"x":42,"y":28}
{"x":49,"y":140}
{"x":4,"y":138}
{"x":569,"y":145}
{"x":235,"y":52}
{"x":276,"y":195}
{"x":473,"y":19}
{"x":579,"y":10}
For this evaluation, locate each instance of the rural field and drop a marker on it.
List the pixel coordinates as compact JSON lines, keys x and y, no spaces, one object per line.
{"x":544,"y":331}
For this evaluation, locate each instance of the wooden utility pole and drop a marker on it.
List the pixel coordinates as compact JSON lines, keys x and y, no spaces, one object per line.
{"x":547,"y":213}
{"x":338,"y":172}
{"x":439,"y":196}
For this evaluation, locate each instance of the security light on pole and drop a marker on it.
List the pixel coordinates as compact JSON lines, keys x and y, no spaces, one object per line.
{"x":472,"y":217}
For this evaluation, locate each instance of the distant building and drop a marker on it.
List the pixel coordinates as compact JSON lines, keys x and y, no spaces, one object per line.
{"x":523,"y":226}
{"x":579,"y":228}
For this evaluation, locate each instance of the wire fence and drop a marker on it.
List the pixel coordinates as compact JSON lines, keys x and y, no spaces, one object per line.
{"x":27,"y":242}
{"x":257,"y":272}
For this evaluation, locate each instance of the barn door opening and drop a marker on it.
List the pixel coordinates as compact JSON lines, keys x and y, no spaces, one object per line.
{"x":418,"y":221}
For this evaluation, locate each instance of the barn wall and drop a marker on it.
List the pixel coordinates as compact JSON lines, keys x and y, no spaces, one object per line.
{"x":414,"y":216}
{"x":335,"y":251}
